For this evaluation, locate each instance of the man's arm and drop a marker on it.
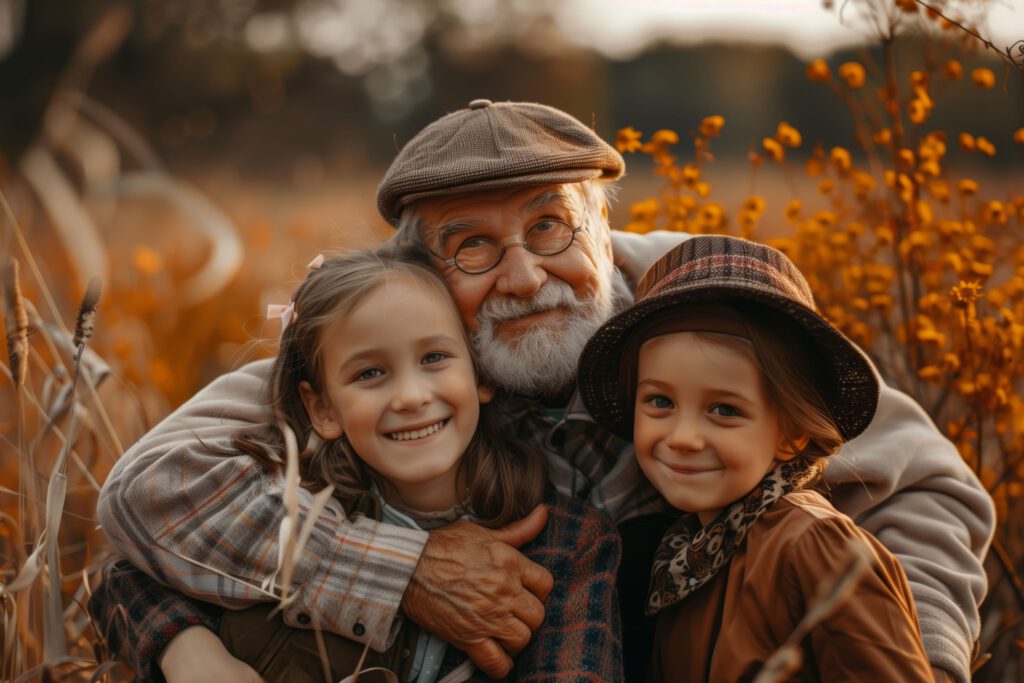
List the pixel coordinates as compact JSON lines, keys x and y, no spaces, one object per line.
{"x":194,"y":519}
{"x":208,"y":524}
{"x":907,"y":484}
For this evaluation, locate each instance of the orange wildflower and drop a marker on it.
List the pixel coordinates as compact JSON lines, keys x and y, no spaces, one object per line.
{"x":967,"y":142}
{"x":773,"y":149}
{"x":983,"y":78}
{"x":1018,"y":136}
{"x":853,"y":74}
{"x":906,"y":157}
{"x":919,"y":79}
{"x":995,"y":212}
{"x":917,"y":111}
{"x":985,"y":146}
{"x":826,"y":186}
{"x":965,"y":294}
{"x":665,"y":137}
{"x":818,"y":71}
{"x":953,"y":70}
{"x":754,"y":204}
{"x":691,"y":174}
{"x":788,"y":135}
{"x":628,"y":140}
{"x":711,"y":126}
{"x":939,"y":190}
{"x":863,"y":183}
{"x":967,"y":186}
{"x":793,"y":210}
{"x":883,"y":137}
{"x":840,"y":158}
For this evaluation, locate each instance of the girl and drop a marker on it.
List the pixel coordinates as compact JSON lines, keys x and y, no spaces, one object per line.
{"x":376,"y":376}
{"x":735,"y":391}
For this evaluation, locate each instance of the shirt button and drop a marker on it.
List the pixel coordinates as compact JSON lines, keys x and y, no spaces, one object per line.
{"x":303,"y":619}
{"x":359,"y":629}
{"x":405,"y":653}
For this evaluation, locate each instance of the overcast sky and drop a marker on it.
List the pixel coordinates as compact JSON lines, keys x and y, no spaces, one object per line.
{"x":622,"y":27}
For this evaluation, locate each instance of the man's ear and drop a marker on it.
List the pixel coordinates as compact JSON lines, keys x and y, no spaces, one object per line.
{"x":322,"y":414}
{"x":485,"y":393}
{"x":789,"y":448}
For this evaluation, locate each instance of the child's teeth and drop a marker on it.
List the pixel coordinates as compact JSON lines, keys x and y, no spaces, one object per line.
{"x":419,"y":433}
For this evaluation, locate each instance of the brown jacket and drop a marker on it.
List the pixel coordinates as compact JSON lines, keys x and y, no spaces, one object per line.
{"x":728,"y":628}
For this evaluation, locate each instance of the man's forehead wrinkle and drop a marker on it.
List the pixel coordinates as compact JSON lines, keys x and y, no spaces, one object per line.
{"x":545,"y":198}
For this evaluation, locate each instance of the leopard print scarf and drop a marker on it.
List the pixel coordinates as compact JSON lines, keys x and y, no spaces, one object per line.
{"x":689,"y":556}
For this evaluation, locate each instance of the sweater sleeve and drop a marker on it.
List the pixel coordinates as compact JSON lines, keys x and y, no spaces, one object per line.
{"x":208,"y":524}
{"x":138,"y":617}
{"x":905,"y":483}
{"x":873,"y":634}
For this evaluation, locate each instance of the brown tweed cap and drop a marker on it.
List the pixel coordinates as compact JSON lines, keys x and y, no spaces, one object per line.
{"x":715,"y":268}
{"x":494,"y":145}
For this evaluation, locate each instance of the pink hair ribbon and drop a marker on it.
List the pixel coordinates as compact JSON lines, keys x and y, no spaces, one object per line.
{"x":286,"y":313}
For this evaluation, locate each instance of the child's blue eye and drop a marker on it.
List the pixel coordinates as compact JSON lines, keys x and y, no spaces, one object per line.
{"x":725,"y":410}
{"x":370,"y":373}
{"x":659,"y":402}
{"x":435,"y":357}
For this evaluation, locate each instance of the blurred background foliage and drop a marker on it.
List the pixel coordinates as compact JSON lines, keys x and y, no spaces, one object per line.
{"x":195,"y":154}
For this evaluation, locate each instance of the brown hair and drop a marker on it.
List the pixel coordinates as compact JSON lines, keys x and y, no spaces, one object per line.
{"x":784,"y":354}
{"x":505,"y":477}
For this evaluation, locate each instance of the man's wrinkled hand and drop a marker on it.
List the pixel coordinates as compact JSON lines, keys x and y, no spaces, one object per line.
{"x":473,"y":589}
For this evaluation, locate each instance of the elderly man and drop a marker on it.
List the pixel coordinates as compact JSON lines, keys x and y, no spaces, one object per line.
{"x":476,"y":188}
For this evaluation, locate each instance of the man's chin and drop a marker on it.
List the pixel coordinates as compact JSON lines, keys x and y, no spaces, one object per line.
{"x":513,"y":334}
{"x":529,"y":365}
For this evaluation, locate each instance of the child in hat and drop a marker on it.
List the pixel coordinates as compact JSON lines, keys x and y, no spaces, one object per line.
{"x":735,"y":392}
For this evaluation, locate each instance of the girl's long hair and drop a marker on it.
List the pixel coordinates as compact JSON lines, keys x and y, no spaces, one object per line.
{"x":505,"y":477}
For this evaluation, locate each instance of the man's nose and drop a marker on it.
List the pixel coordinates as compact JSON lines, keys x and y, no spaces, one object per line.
{"x":411,"y":392}
{"x":521,"y":273}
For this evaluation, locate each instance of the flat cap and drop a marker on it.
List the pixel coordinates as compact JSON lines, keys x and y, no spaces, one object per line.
{"x":494,"y":145}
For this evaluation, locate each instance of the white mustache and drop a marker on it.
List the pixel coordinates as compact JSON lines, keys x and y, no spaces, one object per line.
{"x":552,"y":294}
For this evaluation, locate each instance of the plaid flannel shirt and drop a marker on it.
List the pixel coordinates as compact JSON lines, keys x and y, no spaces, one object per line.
{"x":579,"y":640}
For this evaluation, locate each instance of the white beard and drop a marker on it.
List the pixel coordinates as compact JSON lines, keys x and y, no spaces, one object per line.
{"x":542,"y":360}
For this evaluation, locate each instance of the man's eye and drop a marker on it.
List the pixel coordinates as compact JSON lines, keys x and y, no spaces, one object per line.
{"x":369,"y":373}
{"x":545,"y":226}
{"x":725,"y":410}
{"x":435,"y":357}
{"x":474,"y":243}
{"x":657,"y":401}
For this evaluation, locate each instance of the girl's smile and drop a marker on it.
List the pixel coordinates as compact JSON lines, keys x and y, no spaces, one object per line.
{"x":405,"y":395}
{"x":705,"y":433}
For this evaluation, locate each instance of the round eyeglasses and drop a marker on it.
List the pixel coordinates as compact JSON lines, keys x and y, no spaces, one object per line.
{"x":474,"y":255}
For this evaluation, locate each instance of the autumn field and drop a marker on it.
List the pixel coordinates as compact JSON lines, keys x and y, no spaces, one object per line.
{"x":911,"y":239}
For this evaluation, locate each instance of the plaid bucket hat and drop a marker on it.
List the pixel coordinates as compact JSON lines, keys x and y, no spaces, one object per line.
{"x":709,"y":269}
{"x":491,"y":146}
